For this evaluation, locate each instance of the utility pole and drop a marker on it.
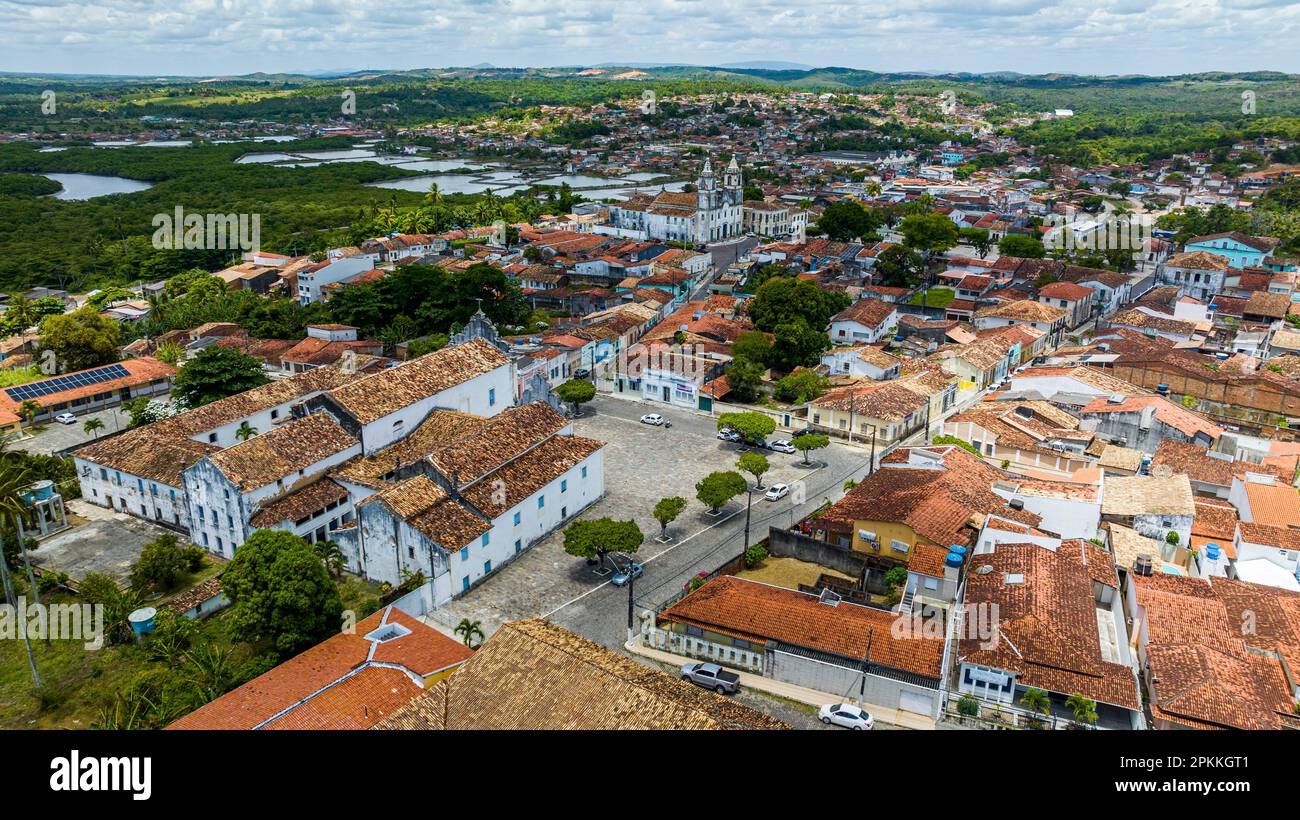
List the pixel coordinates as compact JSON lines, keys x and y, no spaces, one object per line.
{"x":866,"y":665}
{"x":13,"y":601}
{"x":749,"y":502}
{"x":872,"y":470}
{"x":631,"y":582}
{"x":853,"y":398}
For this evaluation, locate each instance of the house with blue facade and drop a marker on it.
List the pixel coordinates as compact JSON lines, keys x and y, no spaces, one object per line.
{"x":1239,"y":249}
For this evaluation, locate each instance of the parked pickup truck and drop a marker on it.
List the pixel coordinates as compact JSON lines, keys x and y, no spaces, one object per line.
{"x":712,"y":676}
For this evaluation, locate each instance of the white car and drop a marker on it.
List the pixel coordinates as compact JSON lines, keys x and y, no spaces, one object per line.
{"x":652,"y":418}
{"x":66,"y":418}
{"x":729,"y":435}
{"x":780,"y":446}
{"x":777,"y":491}
{"x":846,"y":715}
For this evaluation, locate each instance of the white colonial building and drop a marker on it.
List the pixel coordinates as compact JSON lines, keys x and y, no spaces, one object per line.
{"x":711,"y":214}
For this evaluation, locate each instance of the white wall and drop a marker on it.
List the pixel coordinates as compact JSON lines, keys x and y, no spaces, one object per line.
{"x":474,"y":396}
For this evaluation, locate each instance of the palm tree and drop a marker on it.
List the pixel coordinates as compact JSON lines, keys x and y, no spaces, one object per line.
{"x":212,"y":670}
{"x":332,"y":554}
{"x":1085,"y":710}
{"x":245,"y":431}
{"x":15,"y":481}
{"x":470,"y":631}
{"x":29,"y":409}
{"x":93,"y":426}
{"x":1036,"y":700}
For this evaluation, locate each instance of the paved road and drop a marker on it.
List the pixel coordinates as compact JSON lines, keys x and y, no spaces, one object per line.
{"x":57,"y":437}
{"x":601,"y":613}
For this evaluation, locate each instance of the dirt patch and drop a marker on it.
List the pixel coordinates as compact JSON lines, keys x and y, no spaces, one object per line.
{"x":784,"y":571}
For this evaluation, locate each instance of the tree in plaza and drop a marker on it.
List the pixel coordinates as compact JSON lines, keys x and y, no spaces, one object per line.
{"x":1026,"y":247}
{"x":78,"y":340}
{"x":576,"y":392}
{"x":755,"y":464}
{"x":93,"y":426}
{"x":597,"y":537}
{"x":666,"y":512}
{"x":280,"y":591}
{"x":471,"y":632}
{"x":899,"y":266}
{"x":846,"y":221}
{"x":929,"y":233}
{"x":754,"y":426}
{"x":216,"y":372}
{"x":717,"y":488}
{"x":979,"y":239}
{"x":811,"y":441}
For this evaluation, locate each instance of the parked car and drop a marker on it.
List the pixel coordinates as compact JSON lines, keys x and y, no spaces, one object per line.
{"x":729,"y":435}
{"x":66,"y":418}
{"x":846,"y":715}
{"x":712,"y":676}
{"x":582,"y":373}
{"x":652,"y":418}
{"x":628,"y":572}
{"x":807,"y":431}
{"x":777,"y":491}
{"x":780,"y":446}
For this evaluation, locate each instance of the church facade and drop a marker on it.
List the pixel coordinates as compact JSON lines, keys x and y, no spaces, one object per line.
{"x":714,"y":212}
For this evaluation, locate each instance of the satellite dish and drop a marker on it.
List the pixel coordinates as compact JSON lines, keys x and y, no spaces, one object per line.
{"x":1162,"y":471}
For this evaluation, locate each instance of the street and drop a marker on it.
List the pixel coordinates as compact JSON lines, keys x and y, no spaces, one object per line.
{"x":56,"y":438}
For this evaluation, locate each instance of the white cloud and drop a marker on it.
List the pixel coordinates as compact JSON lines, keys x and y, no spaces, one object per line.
{"x":239,"y":36}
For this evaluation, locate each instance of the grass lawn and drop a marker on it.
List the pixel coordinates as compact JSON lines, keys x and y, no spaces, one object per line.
{"x":937,"y":297}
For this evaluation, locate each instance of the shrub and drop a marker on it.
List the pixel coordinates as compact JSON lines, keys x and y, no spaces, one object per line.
{"x":968,"y":706}
{"x":755,"y":555}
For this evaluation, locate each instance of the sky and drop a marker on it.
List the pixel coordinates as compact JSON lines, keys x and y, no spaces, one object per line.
{"x":221,"y":37}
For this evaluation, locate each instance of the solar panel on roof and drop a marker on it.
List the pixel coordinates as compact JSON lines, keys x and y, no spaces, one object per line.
{"x":58,"y":384}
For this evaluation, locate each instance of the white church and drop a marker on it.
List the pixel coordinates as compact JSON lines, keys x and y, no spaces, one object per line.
{"x":711,"y":214}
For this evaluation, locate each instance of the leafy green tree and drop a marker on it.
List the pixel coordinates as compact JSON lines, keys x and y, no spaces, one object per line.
{"x":755,"y":346}
{"x":280,"y":592}
{"x":1026,"y":247}
{"x":929,"y":233}
{"x":811,"y":441}
{"x":666,"y":511}
{"x":898,"y":266}
{"x":717,"y":488}
{"x":755,"y":554}
{"x":783,"y":300}
{"x":161,"y":565}
{"x":754,"y":426}
{"x":169,"y":353}
{"x":744,"y":375}
{"x":798,"y":345}
{"x":1085,"y":710}
{"x":979,"y":239}
{"x":755,"y":464}
{"x":803,"y":385}
{"x":846,"y":221}
{"x":576,"y":392}
{"x":216,"y":372}
{"x":79,"y":340}
{"x":597,"y":537}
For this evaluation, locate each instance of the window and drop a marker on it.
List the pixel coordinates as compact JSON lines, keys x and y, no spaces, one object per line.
{"x":275,"y":414}
{"x":464,"y":554}
{"x":464,"y":584}
{"x":492,"y":396}
{"x":519,"y":545}
{"x":584,"y":472}
{"x":694,"y":631}
{"x":485,"y":538}
{"x":541,"y":501}
{"x":103,"y":474}
{"x":205,"y":539}
{"x":518,"y":518}
{"x":200,"y":512}
{"x":564,"y":512}
{"x":139,"y":482}
{"x":564,"y":485}
{"x":220,"y":546}
{"x":212,"y":438}
{"x":487,"y":567}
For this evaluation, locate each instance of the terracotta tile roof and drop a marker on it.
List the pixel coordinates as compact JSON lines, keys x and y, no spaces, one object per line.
{"x":429,"y":510}
{"x":937,"y":504}
{"x":140,"y":371}
{"x":503,"y":437}
{"x":535,"y":675}
{"x":762,"y":612}
{"x":1277,"y":505}
{"x":1024,"y":310}
{"x":1047,"y":622}
{"x":1148,"y":495}
{"x":439,"y":429}
{"x":1189,"y":458}
{"x":299,"y":503}
{"x":870,"y":313}
{"x":1180,"y":418}
{"x":144,"y":452}
{"x":529,"y":472}
{"x":375,"y":396}
{"x":339,"y":683}
{"x":1065,"y":290}
{"x":888,"y":401}
{"x":288,"y":449}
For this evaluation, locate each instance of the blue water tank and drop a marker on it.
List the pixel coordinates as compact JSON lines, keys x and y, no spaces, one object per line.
{"x":142,"y":620}
{"x":957,"y":548}
{"x":1212,"y":551}
{"x":953,"y":560}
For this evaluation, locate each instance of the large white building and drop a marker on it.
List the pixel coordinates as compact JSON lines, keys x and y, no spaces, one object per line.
{"x":433,"y":456}
{"x":710,"y":214}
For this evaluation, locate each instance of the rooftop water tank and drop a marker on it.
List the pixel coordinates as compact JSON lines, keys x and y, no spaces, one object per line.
{"x":957,"y":548}
{"x":1212,"y":551}
{"x":40,"y":491}
{"x":142,"y":620}
{"x":953,"y":560}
